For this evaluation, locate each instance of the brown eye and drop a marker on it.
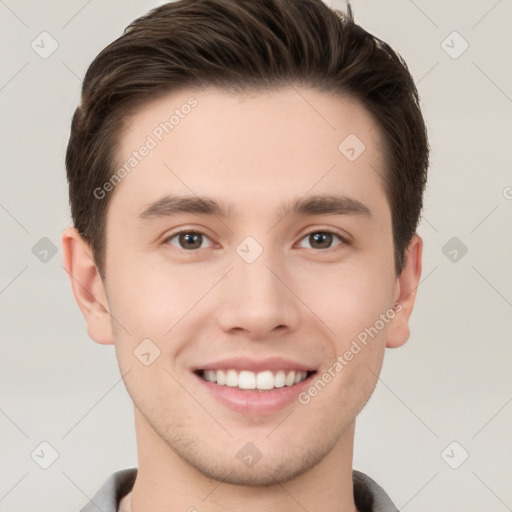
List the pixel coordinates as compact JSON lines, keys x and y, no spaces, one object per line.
{"x":321,"y":239}
{"x":187,"y":240}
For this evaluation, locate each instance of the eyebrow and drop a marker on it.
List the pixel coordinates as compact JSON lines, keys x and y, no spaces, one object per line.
{"x":170,"y":205}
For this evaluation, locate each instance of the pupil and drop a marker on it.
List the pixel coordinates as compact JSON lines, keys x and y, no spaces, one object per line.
{"x":191,"y":237}
{"x":322,"y":236}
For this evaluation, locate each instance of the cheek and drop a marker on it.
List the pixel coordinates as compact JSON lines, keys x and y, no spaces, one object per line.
{"x":355,"y":307}
{"x":347,"y":299}
{"x":148,"y":303}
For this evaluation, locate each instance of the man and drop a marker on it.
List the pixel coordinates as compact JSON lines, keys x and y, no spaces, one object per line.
{"x":246,"y":180}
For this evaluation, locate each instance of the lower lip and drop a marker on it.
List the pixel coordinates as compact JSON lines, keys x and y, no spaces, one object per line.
{"x":253,"y":401}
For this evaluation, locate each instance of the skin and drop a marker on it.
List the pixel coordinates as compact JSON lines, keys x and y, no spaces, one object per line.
{"x":296,"y":300}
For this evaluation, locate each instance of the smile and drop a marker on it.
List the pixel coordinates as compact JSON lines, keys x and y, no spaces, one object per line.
{"x":245,"y":379}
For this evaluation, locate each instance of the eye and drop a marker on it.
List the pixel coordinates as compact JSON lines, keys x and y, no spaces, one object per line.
{"x":192,"y":240}
{"x":188,"y":240}
{"x":322,"y":239}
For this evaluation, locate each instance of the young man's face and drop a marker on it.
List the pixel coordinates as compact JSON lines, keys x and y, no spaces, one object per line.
{"x":256,"y":290}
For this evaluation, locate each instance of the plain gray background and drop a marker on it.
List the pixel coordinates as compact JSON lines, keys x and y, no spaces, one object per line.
{"x":443,"y":396}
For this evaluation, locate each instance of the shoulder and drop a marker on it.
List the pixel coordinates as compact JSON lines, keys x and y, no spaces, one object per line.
{"x":369,"y":496}
{"x":109,"y":495}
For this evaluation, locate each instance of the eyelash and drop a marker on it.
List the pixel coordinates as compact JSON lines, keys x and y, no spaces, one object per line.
{"x":316,"y":231}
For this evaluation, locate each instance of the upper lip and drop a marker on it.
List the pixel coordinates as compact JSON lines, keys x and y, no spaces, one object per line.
{"x":244,"y":363}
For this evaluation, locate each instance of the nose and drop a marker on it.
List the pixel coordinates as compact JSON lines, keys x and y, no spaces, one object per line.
{"x":257,"y":299}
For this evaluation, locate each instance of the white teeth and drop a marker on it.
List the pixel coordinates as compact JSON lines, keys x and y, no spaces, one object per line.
{"x":247,"y":380}
{"x":231,"y":378}
{"x":221,"y":377}
{"x":290,"y":379}
{"x":251,"y":380}
{"x":280,"y":379}
{"x":264,"y":380}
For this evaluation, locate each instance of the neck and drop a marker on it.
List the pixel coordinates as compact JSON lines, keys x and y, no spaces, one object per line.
{"x":166,"y":482}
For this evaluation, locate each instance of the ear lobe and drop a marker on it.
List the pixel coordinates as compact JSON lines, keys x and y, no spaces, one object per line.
{"x":88,"y":287}
{"x":405,"y":294}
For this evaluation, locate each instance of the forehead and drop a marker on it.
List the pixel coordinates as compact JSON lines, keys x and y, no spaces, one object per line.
{"x":249,"y":149}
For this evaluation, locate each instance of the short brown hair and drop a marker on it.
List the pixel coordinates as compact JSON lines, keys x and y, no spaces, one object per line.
{"x":242,"y":45}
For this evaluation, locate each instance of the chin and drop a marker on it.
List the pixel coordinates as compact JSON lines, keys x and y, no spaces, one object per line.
{"x":254,"y":464}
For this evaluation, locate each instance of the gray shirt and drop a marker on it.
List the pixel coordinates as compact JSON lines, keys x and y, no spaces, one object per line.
{"x":368,"y":495}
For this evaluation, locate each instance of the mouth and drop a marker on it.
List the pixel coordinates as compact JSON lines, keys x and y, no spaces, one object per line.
{"x":246,"y":380}
{"x":254,"y":386}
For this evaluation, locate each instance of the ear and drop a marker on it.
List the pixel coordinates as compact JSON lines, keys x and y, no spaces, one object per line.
{"x":88,"y":287}
{"x":405,"y":294}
